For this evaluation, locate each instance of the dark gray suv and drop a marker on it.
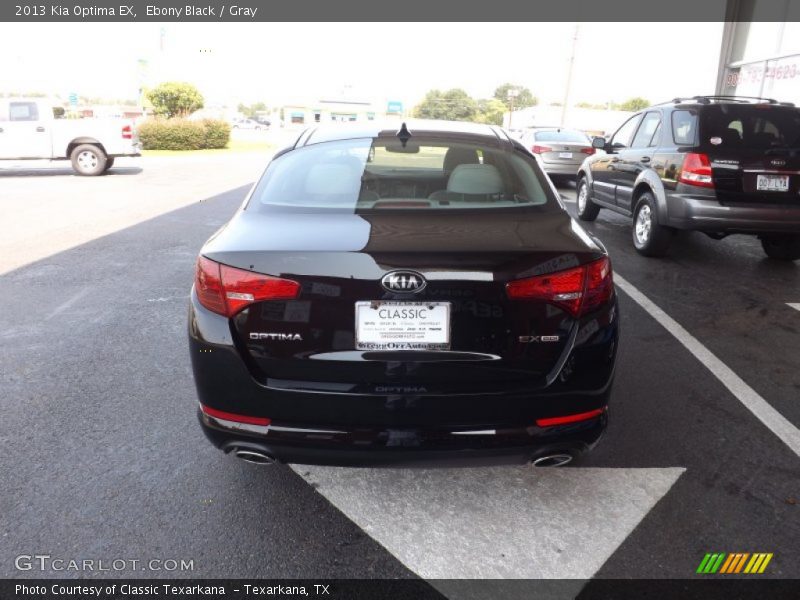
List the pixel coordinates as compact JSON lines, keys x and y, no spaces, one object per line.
{"x":716,"y":164}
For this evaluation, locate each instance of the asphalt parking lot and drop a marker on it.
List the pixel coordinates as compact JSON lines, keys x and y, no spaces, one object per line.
{"x":103,"y":458}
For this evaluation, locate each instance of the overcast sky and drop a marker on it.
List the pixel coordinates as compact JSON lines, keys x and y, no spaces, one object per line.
{"x":282,"y":63}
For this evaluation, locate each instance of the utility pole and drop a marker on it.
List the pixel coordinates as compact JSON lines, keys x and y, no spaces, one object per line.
{"x":569,"y":76}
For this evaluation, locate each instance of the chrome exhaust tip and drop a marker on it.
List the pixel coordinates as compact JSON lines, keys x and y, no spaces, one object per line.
{"x":552,"y":460}
{"x":254,"y":457}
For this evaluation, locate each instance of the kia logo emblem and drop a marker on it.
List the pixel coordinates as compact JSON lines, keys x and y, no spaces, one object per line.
{"x":403,"y":281}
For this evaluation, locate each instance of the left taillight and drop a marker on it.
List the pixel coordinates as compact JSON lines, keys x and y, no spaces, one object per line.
{"x":127,"y":132}
{"x":578,"y":290}
{"x":226,"y":290}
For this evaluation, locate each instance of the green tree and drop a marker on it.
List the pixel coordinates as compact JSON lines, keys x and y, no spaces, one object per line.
{"x":175,"y":99}
{"x":634,"y":104}
{"x":251,"y":111}
{"x":523,"y":99}
{"x":490,"y":111}
{"x":452,"y":105}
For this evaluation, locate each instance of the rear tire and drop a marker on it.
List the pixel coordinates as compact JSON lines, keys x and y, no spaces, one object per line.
{"x":587,"y":210}
{"x":109,"y":163}
{"x":88,"y":159}
{"x":781,"y":247}
{"x":649,"y":237}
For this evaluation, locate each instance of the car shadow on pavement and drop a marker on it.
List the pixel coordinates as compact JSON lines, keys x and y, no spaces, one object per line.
{"x":61,"y":172}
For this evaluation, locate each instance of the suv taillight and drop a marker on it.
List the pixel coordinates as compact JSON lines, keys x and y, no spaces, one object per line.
{"x":127,"y":132}
{"x":578,"y":290}
{"x":541,"y":149}
{"x":696,"y":170}
{"x":227,"y":291}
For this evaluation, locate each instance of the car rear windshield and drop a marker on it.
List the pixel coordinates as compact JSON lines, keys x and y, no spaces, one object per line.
{"x":374,"y":174}
{"x":561,"y":136}
{"x":751,"y":128}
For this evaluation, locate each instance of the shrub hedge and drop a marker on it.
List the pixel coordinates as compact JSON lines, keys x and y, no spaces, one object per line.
{"x":180,"y":134}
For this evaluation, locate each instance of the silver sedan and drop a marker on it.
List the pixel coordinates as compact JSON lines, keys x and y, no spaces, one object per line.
{"x":561,"y":151}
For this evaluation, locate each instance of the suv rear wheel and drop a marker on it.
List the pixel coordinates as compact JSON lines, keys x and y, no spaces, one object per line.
{"x":781,"y":247}
{"x":649,"y":237}
{"x":587,"y":210}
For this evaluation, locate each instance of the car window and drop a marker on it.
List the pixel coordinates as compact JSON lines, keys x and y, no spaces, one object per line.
{"x":684,"y":127}
{"x":751,"y":128}
{"x":23,"y":111}
{"x":373,"y":174}
{"x":561,"y":135}
{"x":622,"y":138}
{"x":656,"y":135}
{"x":646,"y":130}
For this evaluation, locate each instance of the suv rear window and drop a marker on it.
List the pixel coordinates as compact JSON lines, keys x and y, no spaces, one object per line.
{"x":373,"y":174}
{"x":750,"y":128}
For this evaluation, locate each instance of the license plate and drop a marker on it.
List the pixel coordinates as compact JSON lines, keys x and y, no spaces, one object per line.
{"x":772,"y":183}
{"x":565,"y":155}
{"x":402,"y":325}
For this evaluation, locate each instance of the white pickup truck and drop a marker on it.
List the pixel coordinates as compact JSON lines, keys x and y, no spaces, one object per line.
{"x":29,"y":129}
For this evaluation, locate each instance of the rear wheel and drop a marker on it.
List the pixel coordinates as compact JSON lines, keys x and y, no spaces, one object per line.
{"x":781,"y":247}
{"x":109,"y":163}
{"x":587,"y":210}
{"x":649,"y":237}
{"x":88,"y":159}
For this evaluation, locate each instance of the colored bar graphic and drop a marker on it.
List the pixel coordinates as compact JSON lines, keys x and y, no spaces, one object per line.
{"x":734,"y":563}
{"x":765,"y":563}
{"x":703,"y":563}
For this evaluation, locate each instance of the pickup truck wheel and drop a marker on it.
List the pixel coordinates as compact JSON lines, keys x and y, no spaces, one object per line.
{"x":109,"y":163}
{"x":587,"y":210}
{"x":781,"y":247}
{"x":88,"y":159}
{"x":649,"y":237}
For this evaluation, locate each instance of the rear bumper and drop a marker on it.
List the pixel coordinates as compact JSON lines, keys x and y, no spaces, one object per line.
{"x":707,"y":214}
{"x":561,"y":169}
{"x":408,"y":447}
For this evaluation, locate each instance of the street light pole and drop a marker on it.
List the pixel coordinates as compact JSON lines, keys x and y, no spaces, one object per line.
{"x":512,"y":93}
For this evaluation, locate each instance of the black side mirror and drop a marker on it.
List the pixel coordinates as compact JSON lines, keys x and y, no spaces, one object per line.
{"x":599,"y":142}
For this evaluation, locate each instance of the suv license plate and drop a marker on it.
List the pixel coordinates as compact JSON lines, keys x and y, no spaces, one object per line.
{"x":402,"y":325}
{"x":772,"y":183}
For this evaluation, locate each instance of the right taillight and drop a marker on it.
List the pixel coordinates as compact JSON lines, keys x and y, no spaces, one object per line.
{"x":578,"y":290}
{"x":226,"y":290}
{"x":127,"y":132}
{"x":541,"y":149}
{"x":696,"y":170}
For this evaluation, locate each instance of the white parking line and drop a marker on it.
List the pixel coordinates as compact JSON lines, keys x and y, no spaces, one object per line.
{"x":501,"y":522}
{"x":795,"y":306}
{"x":763,"y":410}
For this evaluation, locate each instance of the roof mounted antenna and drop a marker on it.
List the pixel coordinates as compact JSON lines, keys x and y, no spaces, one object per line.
{"x":404,"y":134}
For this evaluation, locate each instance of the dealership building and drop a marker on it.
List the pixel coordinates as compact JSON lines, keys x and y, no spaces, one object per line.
{"x":761,"y":50}
{"x":339,"y":110}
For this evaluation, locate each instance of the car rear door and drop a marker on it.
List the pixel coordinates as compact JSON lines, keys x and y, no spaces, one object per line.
{"x":605,"y":168}
{"x":636,"y":158}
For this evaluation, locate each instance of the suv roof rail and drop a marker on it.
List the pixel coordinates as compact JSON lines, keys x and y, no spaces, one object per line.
{"x":737,"y":99}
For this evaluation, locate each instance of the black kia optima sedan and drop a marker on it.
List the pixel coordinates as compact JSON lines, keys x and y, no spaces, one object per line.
{"x":398,"y":295}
